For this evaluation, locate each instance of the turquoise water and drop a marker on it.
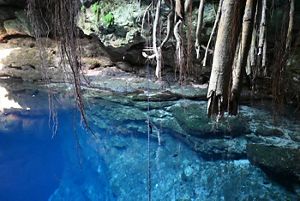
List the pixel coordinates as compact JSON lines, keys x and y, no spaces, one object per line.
{"x":36,"y":165}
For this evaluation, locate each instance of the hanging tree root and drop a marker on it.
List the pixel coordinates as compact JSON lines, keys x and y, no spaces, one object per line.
{"x":290,"y":27}
{"x":199,"y":28}
{"x":157,"y":50}
{"x":179,"y":49}
{"x":262,"y":38}
{"x":213,"y":31}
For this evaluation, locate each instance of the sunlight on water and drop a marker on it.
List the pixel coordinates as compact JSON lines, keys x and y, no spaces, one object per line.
{"x":5,"y":102}
{"x":4,"y":53}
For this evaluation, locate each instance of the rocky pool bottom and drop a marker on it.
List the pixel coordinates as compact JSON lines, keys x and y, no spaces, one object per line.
{"x":191,"y":157}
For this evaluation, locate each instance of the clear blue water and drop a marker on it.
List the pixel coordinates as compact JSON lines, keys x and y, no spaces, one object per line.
{"x":112,"y":165}
{"x":31,"y":162}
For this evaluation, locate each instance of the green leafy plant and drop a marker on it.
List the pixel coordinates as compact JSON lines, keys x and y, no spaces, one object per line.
{"x":82,"y":8}
{"x":96,"y":11}
{"x":109,"y":19}
{"x":96,"y":8}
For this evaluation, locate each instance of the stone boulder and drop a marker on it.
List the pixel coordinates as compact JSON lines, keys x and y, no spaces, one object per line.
{"x":281,"y":160}
{"x":193,"y":118}
{"x":220,"y":149}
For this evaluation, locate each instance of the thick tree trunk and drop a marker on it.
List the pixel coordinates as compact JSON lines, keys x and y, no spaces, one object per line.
{"x":223,"y":57}
{"x":241,"y":60}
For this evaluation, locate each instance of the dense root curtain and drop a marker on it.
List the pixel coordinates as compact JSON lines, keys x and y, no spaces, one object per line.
{"x":60,"y":19}
{"x":157,"y":47}
{"x":213,"y":31}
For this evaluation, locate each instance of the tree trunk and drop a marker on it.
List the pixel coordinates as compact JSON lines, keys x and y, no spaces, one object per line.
{"x":241,"y":60}
{"x":262,"y":36}
{"x":199,"y":28}
{"x":179,"y":50}
{"x":213,"y":32}
{"x":189,"y":39}
{"x":290,"y":28}
{"x":157,"y":50}
{"x":223,"y":57}
{"x":179,"y":9}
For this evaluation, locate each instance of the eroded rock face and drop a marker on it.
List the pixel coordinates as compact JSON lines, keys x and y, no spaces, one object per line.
{"x":13,"y":22}
{"x":21,"y":58}
{"x":29,"y":60}
{"x":280,"y":159}
{"x":117,"y":25}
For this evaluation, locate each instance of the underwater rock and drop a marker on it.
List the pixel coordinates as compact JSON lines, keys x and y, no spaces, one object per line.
{"x":178,"y":174}
{"x":192,"y":117}
{"x":268,"y":132}
{"x":220,"y":149}
{"x":156,"y":97}
{"x":196,"y":92}
{"x":278,"y":159}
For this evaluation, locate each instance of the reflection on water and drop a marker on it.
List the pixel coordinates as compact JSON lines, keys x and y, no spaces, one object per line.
{"x":5,"y":102}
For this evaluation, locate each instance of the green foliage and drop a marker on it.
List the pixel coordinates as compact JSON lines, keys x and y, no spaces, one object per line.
{"x":109,"y":19}
{"x":96,"y":8}
{"x":83,"y":9}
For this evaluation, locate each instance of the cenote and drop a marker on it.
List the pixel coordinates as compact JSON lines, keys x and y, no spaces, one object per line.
{"x":149,"y":100}
{"x":112,"y":164}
